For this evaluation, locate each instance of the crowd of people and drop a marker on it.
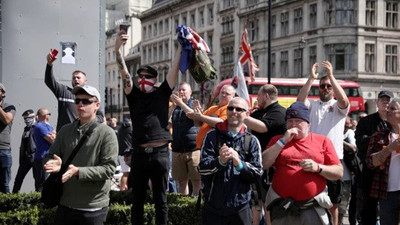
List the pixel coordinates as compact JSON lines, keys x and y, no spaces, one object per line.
{"x":307,"y":164}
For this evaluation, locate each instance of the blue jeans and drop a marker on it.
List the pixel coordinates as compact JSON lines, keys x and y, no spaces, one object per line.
{"x":389,"y":209}
{"x":5,"y":170}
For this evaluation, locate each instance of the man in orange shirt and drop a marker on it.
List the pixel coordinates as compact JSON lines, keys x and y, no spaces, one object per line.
{"x":213,"y":115}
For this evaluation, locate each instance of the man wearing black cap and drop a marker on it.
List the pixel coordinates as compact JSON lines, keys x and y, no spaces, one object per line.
{"x":365,"y":128}
{"x":7,"y":113}
{"x":308,"y":159}
{"x":26,"y":150}
{"x":148,"y":107}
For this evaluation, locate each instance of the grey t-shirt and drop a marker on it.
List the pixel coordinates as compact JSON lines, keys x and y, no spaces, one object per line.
{"x":5,"y":130}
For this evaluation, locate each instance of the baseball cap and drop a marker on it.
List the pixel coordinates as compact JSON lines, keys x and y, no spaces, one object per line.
{"x":385,"y":93}
{"x":2,"y":87}
{"x":298,"y":110}
{"x":88,"y":90}
{"x":27,"y":112}
{"x":149,"y":69}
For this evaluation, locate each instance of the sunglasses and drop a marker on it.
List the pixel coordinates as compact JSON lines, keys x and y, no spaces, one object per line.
{"x":84,"y":101}
{"x":238,"y":109}
{"x":323,"y":86}
{"x":145,"y":76}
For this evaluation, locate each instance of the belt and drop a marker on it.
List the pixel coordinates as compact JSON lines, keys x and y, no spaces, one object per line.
{"x":150,"y":150}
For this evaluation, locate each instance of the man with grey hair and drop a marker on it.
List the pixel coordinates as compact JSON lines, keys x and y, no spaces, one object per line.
{"x":87,"y":180}
{"x":7,"y":113}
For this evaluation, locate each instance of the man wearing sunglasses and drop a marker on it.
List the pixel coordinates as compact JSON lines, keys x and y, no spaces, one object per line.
{"x":148,"y":108}
{"x":44,"y":136}
{"x":64,"y":95}
{"x":228,"y":168}
{"x":327,"y":117}
{"x":87,"y":181}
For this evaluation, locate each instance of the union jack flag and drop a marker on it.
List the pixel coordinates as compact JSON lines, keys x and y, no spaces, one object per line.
{"x":247,"y":55}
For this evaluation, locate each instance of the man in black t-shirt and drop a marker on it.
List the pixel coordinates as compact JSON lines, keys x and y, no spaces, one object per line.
{"x":148,"y":108}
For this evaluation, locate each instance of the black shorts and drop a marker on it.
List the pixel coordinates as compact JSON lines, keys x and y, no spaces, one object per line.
{"x":335,"y":191}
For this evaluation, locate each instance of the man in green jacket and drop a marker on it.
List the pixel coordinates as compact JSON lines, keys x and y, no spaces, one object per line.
{"x":87,"y":181}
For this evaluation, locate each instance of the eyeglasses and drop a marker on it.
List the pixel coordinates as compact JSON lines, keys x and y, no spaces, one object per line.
{"x":238,"y":109}
{"x":84,"y":101}
{"x":323,"y":86}
{"x":147,"y":76}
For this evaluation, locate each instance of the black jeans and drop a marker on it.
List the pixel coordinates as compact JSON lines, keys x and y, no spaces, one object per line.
{"x":243,"y":217}
{"x":39,"y":174}
{"x":25,"y":164}
{"x":68,"y":216}
{"x":153,"y":166}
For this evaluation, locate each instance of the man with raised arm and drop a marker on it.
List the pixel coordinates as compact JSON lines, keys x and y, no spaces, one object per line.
{"x":148,"y":108}
{"x":327,"y":117}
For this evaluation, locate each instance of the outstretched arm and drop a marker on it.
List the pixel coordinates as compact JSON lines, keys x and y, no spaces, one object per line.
{"x":123,"y":70}
{"x":341,"y":96}
{"x":302,"y":97}
{"x":172,"y":75}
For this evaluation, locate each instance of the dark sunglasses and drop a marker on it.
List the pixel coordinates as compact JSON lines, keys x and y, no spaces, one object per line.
{"x":84,"y":101}
{"x":323,"y":86}
{"x":238,"y":109}
{"x":145,"y":76}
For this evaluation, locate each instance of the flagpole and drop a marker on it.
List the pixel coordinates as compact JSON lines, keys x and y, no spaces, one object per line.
{"x":269,"y":40}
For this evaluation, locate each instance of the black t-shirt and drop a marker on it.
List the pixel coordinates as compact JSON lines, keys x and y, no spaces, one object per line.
{"x":273,"y":116}
{"x":149,"y":114}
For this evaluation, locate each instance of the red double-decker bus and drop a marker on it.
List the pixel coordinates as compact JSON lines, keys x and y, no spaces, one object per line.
{"x":288,"y":89}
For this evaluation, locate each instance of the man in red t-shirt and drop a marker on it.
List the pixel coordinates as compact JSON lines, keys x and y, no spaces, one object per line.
{"x":303,"y":161}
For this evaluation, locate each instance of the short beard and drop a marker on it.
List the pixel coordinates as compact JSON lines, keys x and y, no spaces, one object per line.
{"x":326,"y":97}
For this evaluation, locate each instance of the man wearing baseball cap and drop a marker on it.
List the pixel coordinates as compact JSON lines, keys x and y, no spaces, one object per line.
{"x":85,"y":196}
{"x":309,"y":159}
{"x":366,"y":127}
{"x":148,"y":108}
{"x":7,"y":113}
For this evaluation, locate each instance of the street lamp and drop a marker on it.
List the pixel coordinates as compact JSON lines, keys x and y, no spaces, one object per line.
{"x":302,"y":45}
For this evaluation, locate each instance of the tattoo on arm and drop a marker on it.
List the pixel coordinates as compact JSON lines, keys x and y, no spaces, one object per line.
{"x":127,"y":81}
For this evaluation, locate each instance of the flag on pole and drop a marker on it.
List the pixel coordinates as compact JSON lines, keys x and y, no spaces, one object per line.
{"x":247,"y":55}
{"x":241,"y":89}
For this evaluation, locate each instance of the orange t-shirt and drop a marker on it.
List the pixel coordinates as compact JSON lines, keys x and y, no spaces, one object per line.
{"x":215,"y":111}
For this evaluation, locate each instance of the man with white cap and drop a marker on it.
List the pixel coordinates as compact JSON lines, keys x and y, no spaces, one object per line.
{"x":7,"y":113}
{"x":85,"y":196}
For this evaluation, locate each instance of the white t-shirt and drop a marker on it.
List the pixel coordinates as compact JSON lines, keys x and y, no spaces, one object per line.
{"x":328,"y":119}
{"x":349,"y":137}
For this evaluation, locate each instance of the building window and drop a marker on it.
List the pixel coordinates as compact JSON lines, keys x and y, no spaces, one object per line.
{"x":201,"y":18}
{"x":144,"y":33}
{"x":273,"y":25}
{"x":284,"y":24}
{"x":154,"y":54}
{"x":313,"y":16}
{"x":341,"y":12}
{"x":391,"y":59}
{"x":313,"y":56}
{"x":192,"y":20}
{"x":227,"y":25}
{"x":113,"y":75}
{"x":228,"y":4}
{"x":149,"y":29}
{"x":210,"y":15}
{"x":109,"y":56}
{"x":109,"y":76}
{"x":227,"y":54}
{"x":273,"y":65}
{"x":176,"y":22}
{"x":298,"y":20}
{"x":160,"y":54}
{"x":297,"y":61}
{"x":253,"y":30}
{"x":166,"y":51}
{"x":149,"y":56}
{"x":166,"y":24}
{"x":210,"y":41}
{"x":369,"y":58}
{"x":370,"y":12}
{"x":284,"y":64}
{"x":155,"y":29}
{"x":160,"y":27}
{"x":251,"y":2}
{"x":144,"y":55}
{"x":341,"y":56}
{"x":392,"y":9}
{"x":184,"y":20}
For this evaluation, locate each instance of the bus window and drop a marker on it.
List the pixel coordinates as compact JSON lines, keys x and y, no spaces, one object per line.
{"x":294,"y":90}
{"x":254,"y":88}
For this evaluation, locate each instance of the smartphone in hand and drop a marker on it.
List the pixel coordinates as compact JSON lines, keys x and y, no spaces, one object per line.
{"x":54,"y":53}
{"x":124,"y":27}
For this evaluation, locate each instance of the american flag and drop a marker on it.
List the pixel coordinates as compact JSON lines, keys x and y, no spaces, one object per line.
{"x":247,"y":55}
